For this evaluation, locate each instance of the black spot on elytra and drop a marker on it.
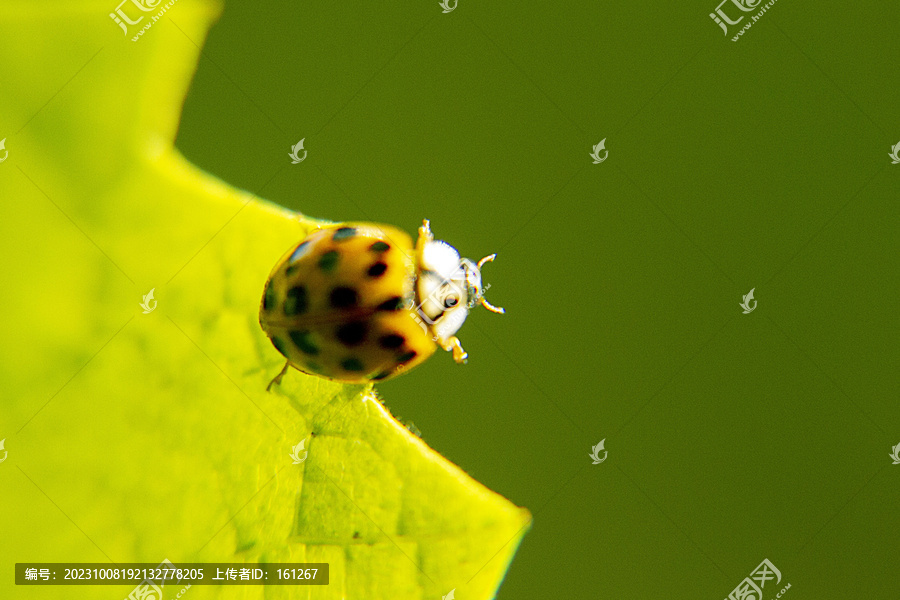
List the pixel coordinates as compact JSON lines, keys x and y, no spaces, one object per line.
{"x":380,"y":376}
{"x":406,"y":357}
{"x":329,"y":260}
{"x":379,"y":247}
{"x":280,"y":346}
{"x":298,"y":252}
{"x":304,"y":341}
{"x":351,"y":334}
{"x":377,"y":270}
{"x":391,"y":341}
{"x":395,"y":303}
{"x":355,"y":535}
{"x":269,"y":298}
{"x":352,"y":364}
{"x":343,"y":297}
{"x":344,"y":233}
{"x":296,"y":301}
{"x":313,"y":367}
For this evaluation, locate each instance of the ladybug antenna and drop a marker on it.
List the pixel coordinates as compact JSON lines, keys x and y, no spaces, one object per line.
{"x":486,"y":259}
{"x":485,"y":303}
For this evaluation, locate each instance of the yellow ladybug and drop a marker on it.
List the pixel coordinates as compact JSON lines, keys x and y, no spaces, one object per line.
{"x":357,"y":302}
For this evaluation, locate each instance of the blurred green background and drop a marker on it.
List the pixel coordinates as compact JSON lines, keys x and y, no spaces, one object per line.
{"x":757,"y":164}
{"x":761,"y":164}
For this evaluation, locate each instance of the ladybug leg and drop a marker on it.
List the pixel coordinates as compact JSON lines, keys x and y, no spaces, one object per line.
{"x":278,"y":377}
{"x":425,"y":236}
{"x":452,"y":345}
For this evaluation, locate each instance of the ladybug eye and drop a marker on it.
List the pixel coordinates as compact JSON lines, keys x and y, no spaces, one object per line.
{"x":451,"y":301}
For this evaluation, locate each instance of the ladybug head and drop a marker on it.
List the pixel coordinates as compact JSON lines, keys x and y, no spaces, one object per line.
{"x":448,"y":286}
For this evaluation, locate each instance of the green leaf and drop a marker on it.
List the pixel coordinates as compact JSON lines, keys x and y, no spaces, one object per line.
{"x":133,"y":436}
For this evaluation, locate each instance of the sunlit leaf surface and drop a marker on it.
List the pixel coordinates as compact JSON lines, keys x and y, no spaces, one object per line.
{"x":138,"y":428}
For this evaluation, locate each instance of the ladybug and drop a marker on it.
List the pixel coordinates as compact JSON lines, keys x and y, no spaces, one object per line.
{"x":357,"y":302}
